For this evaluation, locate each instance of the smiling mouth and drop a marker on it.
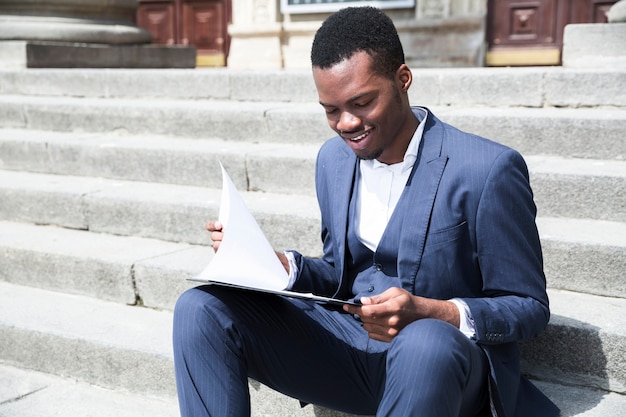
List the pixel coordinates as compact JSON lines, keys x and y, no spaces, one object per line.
{"x":358,"y":137}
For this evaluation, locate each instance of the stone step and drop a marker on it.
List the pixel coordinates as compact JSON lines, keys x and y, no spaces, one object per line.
{"x":151,"y":272}
{"x":268,"y":167}
{"x":128,"y":349}
{"x":568,"y":132}
{"x":225,"y":119}
{"x":580,"y":254}
{"x":26,"y":393}
{"x":103,"y":343}
{"x":571,"y":187}
{"x":525,"y":86}
{"x":109,"y":345}
{"x":161,"y":211}
{"x":126,"y":270}
{"x":585,"y":343}
{"x":583,"y":402}
{"x":584,"y":255}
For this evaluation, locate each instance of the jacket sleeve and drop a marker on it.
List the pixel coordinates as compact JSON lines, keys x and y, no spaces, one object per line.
{"x":322,"y":276}
{"x":515,"y":306}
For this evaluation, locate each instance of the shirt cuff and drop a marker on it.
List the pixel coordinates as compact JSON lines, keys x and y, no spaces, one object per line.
{"x":293,"y":269}
{"x":466,"y":325}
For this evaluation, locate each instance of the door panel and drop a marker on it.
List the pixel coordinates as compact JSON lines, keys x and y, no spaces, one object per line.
{"x":524,"y":22}
{"x":159,"y":18}
{"x":530,"y":32}
{"x":201,"y":23}
{"x":203,"y":26}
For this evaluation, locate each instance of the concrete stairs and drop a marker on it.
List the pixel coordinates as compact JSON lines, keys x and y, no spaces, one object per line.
{"x":107,"y":178}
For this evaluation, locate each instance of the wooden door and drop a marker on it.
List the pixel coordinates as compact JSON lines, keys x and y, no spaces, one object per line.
{"x":530,"y":32}
{"x":205,"y":25}
{"x":159,"y":18}
{"x":201,"y":23}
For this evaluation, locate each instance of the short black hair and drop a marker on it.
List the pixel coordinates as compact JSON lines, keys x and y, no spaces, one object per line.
{"x":358,"y":29}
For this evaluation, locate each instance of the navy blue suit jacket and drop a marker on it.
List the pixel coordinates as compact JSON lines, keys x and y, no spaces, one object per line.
{"x":468,"y":232}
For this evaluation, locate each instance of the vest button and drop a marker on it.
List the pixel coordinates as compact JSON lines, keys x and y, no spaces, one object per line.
{"x":379,"y":267}
{"x":371,"y":288}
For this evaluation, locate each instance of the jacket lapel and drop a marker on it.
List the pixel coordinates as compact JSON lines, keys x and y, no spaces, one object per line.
{"x":343,"y":186}
{"x":418,"y":200}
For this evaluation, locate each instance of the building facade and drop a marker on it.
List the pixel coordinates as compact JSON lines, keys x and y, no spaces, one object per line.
{"x":272,"y":34}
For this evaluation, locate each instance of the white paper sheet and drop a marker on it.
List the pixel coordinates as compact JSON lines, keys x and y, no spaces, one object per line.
{"x":245,"y":257}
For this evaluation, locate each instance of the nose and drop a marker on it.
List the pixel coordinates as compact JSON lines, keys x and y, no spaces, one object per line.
{"x":348,"y":122}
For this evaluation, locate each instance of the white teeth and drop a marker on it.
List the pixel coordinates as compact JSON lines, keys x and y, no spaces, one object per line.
{"x":361,"y":136}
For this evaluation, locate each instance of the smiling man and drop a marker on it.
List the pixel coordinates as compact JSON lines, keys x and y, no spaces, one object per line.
{"x":431,"y":228}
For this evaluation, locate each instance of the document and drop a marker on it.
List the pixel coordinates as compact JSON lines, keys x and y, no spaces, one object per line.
{"x":246,"y":259}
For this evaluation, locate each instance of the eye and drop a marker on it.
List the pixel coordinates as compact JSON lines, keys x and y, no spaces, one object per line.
{"x":363,"y":104}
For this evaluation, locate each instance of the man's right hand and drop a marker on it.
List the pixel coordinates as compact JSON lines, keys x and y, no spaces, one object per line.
{"x":217,"y":235}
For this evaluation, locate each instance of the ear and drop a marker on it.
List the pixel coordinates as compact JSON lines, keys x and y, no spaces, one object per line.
{"x":404,"y":77}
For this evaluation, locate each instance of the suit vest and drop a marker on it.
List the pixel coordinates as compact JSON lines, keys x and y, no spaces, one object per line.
{"x":370,"y":272}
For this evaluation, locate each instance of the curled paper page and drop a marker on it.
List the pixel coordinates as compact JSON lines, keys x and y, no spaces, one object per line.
{"x":245,"y":257}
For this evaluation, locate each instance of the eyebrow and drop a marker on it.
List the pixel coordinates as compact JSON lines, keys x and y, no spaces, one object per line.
{"x":350,"y":100}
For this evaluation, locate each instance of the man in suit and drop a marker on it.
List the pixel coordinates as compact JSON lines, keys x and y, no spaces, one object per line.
{"x":431,"y":228}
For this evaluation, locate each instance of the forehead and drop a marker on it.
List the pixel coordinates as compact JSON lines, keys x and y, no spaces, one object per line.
{"x":348,"y":78}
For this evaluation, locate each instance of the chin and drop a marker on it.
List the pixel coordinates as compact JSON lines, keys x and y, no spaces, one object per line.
{"x":368,"y":156}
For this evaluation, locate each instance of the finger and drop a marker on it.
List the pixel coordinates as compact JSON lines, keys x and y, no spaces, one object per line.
{"x":374,"y":310}
{"x":380,"y":332}
{"x":366,"y":301}
{"x":352,"y":309}
{"x":375,"y":299}
{"x":214,"y":226}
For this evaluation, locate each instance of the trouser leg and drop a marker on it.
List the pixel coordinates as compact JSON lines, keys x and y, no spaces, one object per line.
{"x":208,"y":385}
{"x":434,"y":370}
{"x":302,"y":349}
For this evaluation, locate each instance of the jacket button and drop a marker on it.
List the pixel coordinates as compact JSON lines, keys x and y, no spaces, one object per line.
{"x":379,"y":267}
{"x":370,"y":289}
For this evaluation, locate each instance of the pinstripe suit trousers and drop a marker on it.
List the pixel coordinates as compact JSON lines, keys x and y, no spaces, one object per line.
{"x":318,"y":354}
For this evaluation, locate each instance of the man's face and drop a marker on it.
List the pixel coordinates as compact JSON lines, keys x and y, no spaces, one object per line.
{"x":369,"y":111}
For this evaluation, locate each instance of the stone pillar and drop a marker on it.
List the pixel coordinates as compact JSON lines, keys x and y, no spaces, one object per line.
{"x":91,"y":21}
{"x":80,"y":33}
{"x":599,"y":45}
{"x":444,"y":33}
{"x":256,"y":35}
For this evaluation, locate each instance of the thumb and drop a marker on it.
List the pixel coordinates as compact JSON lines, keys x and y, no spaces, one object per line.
{"x":376,"y":299}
